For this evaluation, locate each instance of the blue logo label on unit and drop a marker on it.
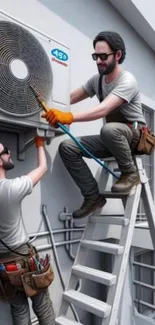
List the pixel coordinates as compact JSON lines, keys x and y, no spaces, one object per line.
{"x":60,"y":55}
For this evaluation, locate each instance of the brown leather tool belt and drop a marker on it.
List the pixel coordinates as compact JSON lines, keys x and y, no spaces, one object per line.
{"x":146,"y":143}
{"x":24,"y":274}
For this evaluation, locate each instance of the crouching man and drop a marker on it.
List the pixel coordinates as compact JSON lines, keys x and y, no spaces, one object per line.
{"x":120,"y":105}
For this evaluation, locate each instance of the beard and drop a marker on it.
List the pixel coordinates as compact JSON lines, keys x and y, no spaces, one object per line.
{"x":7,"y":165}
{"x":104,"y":70}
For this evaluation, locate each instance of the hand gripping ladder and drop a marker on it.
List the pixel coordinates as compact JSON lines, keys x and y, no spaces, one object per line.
{"x":108,"y":311}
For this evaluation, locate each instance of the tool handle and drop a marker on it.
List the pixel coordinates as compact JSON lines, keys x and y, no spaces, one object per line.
{"x":44,"y":106}
{"x":39,"y":99}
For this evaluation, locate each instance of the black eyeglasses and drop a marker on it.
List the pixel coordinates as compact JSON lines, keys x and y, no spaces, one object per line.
{"x":4,"y":151}
{"x":102,"y":56}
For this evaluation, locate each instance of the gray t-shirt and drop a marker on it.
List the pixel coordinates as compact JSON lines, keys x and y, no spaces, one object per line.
{"x":12,"y":192}
{"x":124,"y":86}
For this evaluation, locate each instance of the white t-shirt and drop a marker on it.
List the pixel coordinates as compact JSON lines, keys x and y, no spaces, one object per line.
{"x":124,"y":86}
{"x":12,"y":229}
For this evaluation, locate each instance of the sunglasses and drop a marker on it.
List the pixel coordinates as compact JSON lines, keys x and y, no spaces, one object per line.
{"x":4,"y":151}
{"x":102,"y":56}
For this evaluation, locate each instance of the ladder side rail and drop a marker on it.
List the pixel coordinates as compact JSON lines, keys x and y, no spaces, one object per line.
{"x":82,"y":252}
{"x":120,"y":264}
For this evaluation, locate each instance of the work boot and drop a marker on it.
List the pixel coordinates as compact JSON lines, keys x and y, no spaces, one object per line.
{"x":126,"y":182}
{"x":89,"y":206}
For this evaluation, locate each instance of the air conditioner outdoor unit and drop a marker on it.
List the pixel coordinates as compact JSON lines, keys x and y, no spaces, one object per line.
{"x":30,"y":58}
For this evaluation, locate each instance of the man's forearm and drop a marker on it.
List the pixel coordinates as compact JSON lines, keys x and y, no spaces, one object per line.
{"x":90,"y":115}
{"x":109,"y":104}
{"x":42,"y":163}
{"x":41,"y":169}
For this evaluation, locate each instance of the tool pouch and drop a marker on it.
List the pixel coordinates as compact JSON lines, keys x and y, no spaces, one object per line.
{"x":43,"y":280}
{"x":28,"y":284}
{"x":34,"y":282}
{"x":10,"y":283}
{"x":15,"y":277}
{"x":146,"y":143}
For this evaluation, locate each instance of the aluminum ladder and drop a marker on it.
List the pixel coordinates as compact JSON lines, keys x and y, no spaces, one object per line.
{"x":108,"y":311}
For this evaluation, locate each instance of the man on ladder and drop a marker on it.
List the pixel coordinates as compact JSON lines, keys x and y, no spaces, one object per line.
{"x":124,"y":134}
{"x":120,"y":104}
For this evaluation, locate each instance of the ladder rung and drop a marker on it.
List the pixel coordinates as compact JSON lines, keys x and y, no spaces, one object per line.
{"x":94,"y":275}
{"x":111,"y":195}
{"x":103,"y":247}
{"x":88,"y":303}
{"x":63,"y":320}
{"x":109,"y":220}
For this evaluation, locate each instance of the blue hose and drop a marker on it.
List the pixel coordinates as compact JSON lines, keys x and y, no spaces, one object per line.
{"x":80,"y":145}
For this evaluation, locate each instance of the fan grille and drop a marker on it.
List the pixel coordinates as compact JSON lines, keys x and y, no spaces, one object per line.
{"x":23,"y":62}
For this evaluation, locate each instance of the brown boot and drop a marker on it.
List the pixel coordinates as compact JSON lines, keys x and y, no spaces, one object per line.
{"x":89,"y":206}
{"x":126,"y":182}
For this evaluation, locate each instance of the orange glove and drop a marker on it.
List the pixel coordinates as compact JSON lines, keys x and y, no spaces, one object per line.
{"x":39,"y":142}
{"x":53,"y":116}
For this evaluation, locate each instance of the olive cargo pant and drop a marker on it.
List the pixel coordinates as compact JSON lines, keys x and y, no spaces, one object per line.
{"x":114,"y":140}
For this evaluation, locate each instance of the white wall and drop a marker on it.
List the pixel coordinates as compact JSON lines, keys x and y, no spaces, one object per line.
{"x":75,"y":23}
{"x":147,"y":9}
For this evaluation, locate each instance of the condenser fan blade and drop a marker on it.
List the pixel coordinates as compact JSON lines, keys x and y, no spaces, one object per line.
{"x":23,"y":63}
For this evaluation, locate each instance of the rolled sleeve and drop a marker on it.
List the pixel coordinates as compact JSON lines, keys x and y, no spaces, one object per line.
{"x":126,"y":89}
{"x":89,"y":86}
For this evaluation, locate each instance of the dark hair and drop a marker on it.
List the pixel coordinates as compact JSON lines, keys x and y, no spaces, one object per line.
{"x":114,"y":41}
